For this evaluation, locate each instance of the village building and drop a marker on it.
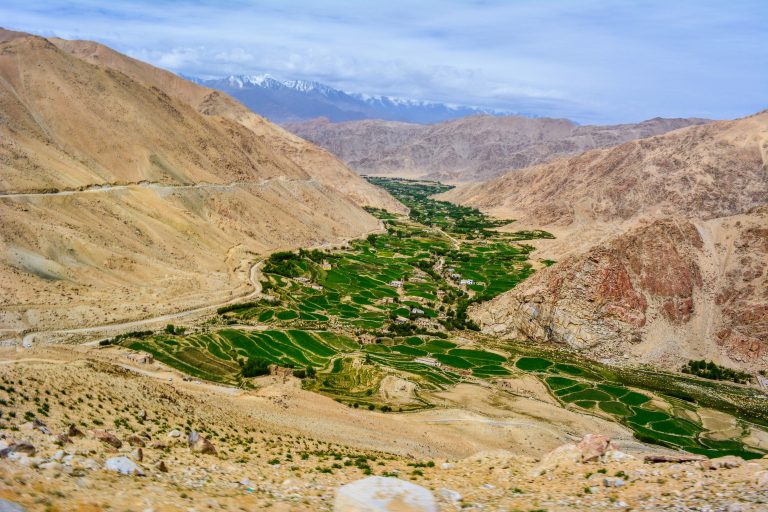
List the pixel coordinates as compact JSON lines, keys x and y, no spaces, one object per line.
{"x":367,"y":339}
{"x":428,"y":361}
{"x":396,"y":284}
{"x":417,"y":311}
{"x":466,"y":281}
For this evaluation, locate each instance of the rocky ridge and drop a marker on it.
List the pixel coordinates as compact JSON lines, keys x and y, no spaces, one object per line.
{"x":469,"y":149}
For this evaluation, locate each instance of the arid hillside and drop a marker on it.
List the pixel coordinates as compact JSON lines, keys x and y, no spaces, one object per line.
{"x":469,"y":149}
{"x":88,"y":429}
{"x":707,"y":171}
{"x":125,"y":191}
{"x":661,"y":247}
{"x":663,"y":293}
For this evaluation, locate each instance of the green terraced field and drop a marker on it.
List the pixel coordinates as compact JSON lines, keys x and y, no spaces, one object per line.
{"x":651,"y":422}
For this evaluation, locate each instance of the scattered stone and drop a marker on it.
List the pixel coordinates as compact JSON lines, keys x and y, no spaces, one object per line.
{"x":452,"y":497}
{"x":142,"y":415}
{"x":73,"y":431}
{"x":157,"y":445}
{"x":200,"y":444}
{"x":62,"y":439}
{"x":9,"y":506}
{"x":727,"y":462}
{"x":51,"y":465}
{"x":682,"y":458}
{"x":123,"y":465}
{"x":593,"y":447}
{"x":382,"y":494}
{"x":138,"y":454}
{"x":174,"y":433}
{"x":18,"y":448}
{"x":613,"y":482}
{"x":160,"y":466}
{"x":108,"y":438}
{"x":135,"y":440}
{"x":39,"y":425}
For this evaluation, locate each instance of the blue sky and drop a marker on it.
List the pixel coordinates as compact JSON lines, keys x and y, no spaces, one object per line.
{"x":594,"y":61}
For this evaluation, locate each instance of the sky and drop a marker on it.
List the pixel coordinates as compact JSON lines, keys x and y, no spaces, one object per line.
{"x":593,"y":61}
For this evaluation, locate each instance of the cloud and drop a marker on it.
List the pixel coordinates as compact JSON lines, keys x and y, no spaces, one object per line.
{"x":592,"y":60}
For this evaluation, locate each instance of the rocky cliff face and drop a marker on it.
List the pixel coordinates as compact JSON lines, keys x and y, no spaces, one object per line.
{"x":471,"y":149}
{"x":664,"y":292}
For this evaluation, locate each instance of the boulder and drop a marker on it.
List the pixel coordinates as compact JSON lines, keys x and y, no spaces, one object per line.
{"x":9,"y":506}
{"x":199,"y":444}
{"x":174,"y":433}
{"x":564,"y":455}
{"x":382,"y":494}
{"x":124,"y":466}
{"x":73,"y":431}
{"x":108,"y":438}
{"x":135,"y":440}
{"x":160,"y":466}
{"x":20,"y":448}
{"x":593,"y":447}
{"x":137,"y":454}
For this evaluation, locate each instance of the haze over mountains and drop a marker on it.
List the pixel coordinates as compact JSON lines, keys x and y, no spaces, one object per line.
{"x":284,"y":101}
{"x":474,"y":148}
{"x":182,"y":187}
{"x":663,"y":245}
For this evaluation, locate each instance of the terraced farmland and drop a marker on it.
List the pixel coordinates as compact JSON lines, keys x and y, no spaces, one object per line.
{"x":394,"y":305}
{"x":660,"y":420}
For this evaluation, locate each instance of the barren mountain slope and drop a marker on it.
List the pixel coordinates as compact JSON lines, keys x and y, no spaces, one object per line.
{"x":664,"y":292}
{"x":469,"y":149}
{"x":317,"y":162}
{"x":219,"y":191}
{"x":704,"y":171}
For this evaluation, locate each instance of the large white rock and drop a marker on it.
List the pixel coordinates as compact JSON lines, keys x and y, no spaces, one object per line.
{"x":124,"y":466}
{"x":382,"y":494}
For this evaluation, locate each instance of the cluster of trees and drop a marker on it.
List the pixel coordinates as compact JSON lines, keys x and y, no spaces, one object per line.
{"x":120,"y":337}
{"x":710,"y":370}
{"x":173,"y":330}
{"x":284,"y":263}
{"x":459,"y":320}
{"x":257,"y":366}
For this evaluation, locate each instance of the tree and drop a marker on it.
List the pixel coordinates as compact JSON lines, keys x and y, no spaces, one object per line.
{"x":255,"y":366}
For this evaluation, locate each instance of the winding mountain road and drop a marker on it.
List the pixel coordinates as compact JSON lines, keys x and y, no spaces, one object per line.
{"x":254,"y":277}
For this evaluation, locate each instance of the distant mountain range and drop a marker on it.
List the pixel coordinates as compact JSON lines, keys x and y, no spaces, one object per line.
{"x":298,"y":100}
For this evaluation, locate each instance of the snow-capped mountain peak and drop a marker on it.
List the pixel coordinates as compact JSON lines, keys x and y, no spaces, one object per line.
{"x":295,"y":100}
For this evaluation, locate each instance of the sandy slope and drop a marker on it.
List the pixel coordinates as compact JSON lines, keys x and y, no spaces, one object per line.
{"x":224,"y":185}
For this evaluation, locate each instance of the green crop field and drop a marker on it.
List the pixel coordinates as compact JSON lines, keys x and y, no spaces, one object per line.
{"x":662,"y":421}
